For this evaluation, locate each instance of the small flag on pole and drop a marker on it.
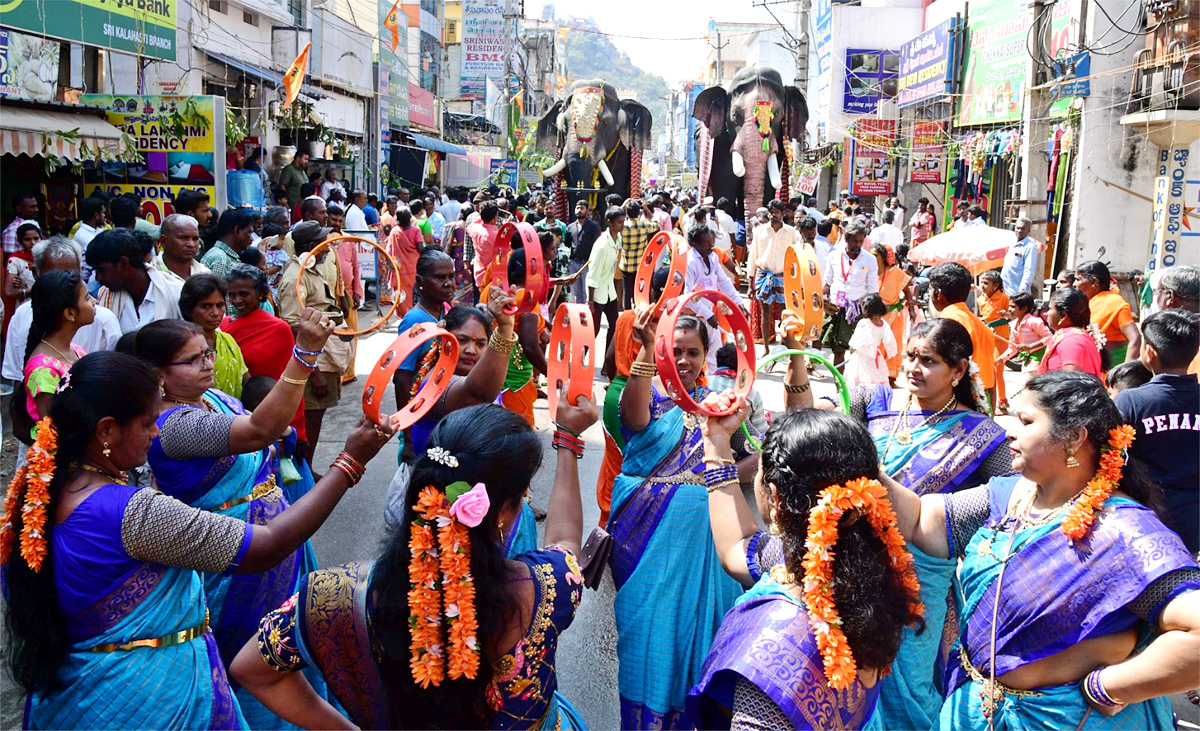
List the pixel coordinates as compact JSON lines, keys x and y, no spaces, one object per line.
{"x":392,"y":23}
{"x":295,"y":76}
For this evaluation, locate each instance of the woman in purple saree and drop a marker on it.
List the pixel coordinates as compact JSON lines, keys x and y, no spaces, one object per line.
{"x":765,"y":669}
{"x":1050,"y":620}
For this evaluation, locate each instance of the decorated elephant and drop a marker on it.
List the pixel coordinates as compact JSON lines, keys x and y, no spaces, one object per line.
{"x":593,"y":133}
{"x":749,"y":126}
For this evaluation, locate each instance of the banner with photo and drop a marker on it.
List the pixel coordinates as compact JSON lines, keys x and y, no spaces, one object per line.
{"x":28,"y":67}
{"x":928,"y":152}
{"x":871,"y":171}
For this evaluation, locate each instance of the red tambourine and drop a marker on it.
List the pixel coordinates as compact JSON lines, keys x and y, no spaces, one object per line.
{"x":730,"y":317}
{"x":536,"y":287}
{"x":645,"y":273}
{"x":569,"y":360}
{"x":432,"y":390}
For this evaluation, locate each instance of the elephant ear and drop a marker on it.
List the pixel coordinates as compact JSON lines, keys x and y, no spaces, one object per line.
{"x":549,"y":137}
{"x":796,"y":113}
{"x":712,"y":109}
{"x":635,"y":133}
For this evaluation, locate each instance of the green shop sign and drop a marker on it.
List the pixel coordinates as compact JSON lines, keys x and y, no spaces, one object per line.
{"x":142,"y":27}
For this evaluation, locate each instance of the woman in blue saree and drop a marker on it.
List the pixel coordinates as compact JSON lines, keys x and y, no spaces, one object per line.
{"x":671,"y":589}
{"x":214,"y":456}
{"x":1054,"y":604}
{"x":765,"y":669}
{"x":109,"y":628}
{"x":354,"y":622}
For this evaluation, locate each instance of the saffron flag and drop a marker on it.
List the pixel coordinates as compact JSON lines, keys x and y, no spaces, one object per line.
{"x":295,"y":76}
{"x":392,"y":23}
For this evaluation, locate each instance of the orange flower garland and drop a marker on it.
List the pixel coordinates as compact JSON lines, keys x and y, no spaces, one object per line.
{"x":869,"y":498}
{"x":1080,"y":516}
{"x":424,"y":596}
{"x":441,"y":586}
{"x":34,"y":480}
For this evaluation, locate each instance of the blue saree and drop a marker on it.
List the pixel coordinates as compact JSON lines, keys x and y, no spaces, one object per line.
{"x":671,"y":589}
{"x":1055,"y":594}
{"x":241,"y":486}
{"x":942,"y":457}
{"x":327,"y":627}
{"x":109,"y":597}
{"x":767,"y":640}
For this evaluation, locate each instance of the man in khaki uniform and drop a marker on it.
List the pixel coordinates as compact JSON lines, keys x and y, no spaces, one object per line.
{"x":319,"y":285}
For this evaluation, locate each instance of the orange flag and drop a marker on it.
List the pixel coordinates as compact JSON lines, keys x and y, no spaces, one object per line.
{"x":392,"y":23}
{"x":295,"y":76}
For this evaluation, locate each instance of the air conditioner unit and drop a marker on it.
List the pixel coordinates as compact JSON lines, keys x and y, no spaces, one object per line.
{"x":1167,"y":70}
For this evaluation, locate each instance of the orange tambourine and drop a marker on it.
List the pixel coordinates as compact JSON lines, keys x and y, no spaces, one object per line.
{"x":536,"y":285}
{"x":569,"y":360}
{"x":730,"y":317}
{"x":316,"y":250}
{"x":802,"y":289}
{"x":430,"y":392}
{"x":645,"y":273}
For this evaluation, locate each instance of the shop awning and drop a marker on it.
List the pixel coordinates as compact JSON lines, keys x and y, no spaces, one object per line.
{"x":34,"y":132}
{"x":262,"y":73}
{"x":433,"y":143}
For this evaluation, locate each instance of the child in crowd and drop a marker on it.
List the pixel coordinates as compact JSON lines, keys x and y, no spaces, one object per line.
{"x":1030,"y":335}
{"x":870,"y":346}
{"x":1130,"y":374}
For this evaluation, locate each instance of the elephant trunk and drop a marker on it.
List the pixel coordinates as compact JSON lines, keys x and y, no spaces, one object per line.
{"x":754,"y":181}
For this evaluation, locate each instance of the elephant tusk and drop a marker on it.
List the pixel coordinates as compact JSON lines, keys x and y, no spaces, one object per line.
{"x":773,"y":171}
{"x":739,"y":165}
{"x":555,"y":169}
{"x":608,"y":178}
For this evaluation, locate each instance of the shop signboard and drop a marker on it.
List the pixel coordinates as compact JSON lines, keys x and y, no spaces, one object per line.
{"x":368,"y":257}
{"x":1071,"y":76}
{"x":1168,"y":218}
{"x":928,"y":152}
{"x":504,"y":172}
{"x":172,"y":162}
{"x":871,"y":171}
{"x":871,"y":77}
{"x":996,"y":60}
{"x":393,"y":71}
{"x":927,"y":65}
{"x":482,"y":46}
{"x":28,"y":67}
{"x":823,"y":27}
{"x":807,"y":181}
{"x":142,"y":27}
{"x":421,"y":107}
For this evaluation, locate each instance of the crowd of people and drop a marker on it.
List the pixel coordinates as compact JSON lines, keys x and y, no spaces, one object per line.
{"x":833,"y":565}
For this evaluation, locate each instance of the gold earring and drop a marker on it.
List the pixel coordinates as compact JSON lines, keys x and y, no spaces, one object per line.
{"x":954,"y":383}
{"x":774,"y":529}
{"x":1071,"y":461}
{"x":107,"y":451}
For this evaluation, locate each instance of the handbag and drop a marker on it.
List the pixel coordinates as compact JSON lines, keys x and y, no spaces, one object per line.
{"x":593,"y":557}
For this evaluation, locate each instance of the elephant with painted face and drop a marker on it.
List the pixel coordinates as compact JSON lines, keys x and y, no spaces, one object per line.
{"x":749,"y":125}
{"x":592,"y":133}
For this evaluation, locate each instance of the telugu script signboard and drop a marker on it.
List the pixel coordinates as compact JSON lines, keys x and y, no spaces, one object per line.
{"x":482,"y":46}
{"x":926,"y":65}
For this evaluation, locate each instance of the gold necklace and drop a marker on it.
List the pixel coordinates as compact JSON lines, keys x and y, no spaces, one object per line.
{"x":65,"y":357}
{"x":121,"y":477}
{"x":200,"y":404}
{"x":904,"y":434}
{"x":1021,"y":520}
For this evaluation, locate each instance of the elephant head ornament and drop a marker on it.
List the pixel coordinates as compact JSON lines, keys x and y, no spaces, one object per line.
{"x":750,"y":124}
{"x":585,"y":129}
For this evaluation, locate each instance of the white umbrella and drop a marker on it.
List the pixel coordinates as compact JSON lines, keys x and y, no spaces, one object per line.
{"x":978,"y":248}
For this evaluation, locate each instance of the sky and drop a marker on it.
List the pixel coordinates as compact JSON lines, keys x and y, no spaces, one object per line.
{"x":675,"y":61}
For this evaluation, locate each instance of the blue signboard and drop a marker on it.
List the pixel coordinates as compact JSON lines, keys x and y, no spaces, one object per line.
{"x":927,"y":65}
{"x":504,"y":173}
{"x":1072,"y":72}
{"x":871,"y":76}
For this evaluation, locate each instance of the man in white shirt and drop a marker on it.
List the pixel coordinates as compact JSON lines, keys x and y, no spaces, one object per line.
{"x":724,"y":220}
{"x":850,"y":274}
{"x":180,"y":244}
{"x":356,"y":220}
{"x":330,"y":184}
{"x":764,"y":264}
{"x":136,"y":292}
{"x":601,"y":280}
{"x":704,"y":271}
{"x":886,"y":233}
{"x":61,"y":254}
{"x":91,"y":222}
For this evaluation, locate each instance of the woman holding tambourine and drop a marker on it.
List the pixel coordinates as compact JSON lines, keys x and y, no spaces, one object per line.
{"x":671,"y":589}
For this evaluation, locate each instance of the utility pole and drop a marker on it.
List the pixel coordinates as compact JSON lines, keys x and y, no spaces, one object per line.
{"x":720,"y":68}
{"x":506,"y":84}
{"x":802,"y":51}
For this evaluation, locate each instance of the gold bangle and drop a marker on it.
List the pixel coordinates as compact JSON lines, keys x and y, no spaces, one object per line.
{"x":293,"y":381}
{"x":719,"y":460}
{"x":643,"y":369}
{"x":723,"y":484}
{"x":500,"y":344}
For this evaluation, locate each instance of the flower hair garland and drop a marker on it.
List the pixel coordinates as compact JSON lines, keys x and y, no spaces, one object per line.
{"x":1082,"y":513}
{"x":978,"y":392}
{"x":33,"y":479}
{"x":1097,"y":335}
{"x":440,"y":576}
{"x":868,"y":498}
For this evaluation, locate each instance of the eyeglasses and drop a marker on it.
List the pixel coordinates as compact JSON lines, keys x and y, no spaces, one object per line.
{"x":197,"y":362}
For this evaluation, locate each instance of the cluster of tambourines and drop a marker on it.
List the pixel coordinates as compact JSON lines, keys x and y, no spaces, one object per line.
{"x":570,"y":360}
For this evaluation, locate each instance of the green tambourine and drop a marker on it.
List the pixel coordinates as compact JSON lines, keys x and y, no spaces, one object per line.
{"x":843,"y":389}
